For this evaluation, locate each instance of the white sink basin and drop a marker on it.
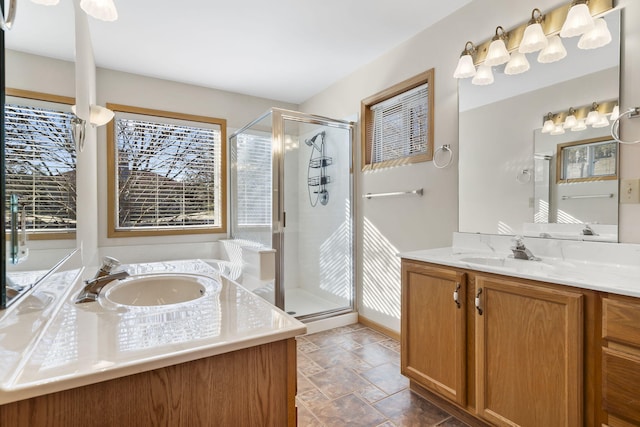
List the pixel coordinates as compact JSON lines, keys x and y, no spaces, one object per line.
{"x":159,"y":289}
{"x":519,"y":265}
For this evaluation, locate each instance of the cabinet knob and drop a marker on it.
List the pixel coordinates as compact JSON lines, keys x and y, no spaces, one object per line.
{"x":456,"y":296}
{"x":478,"y":305}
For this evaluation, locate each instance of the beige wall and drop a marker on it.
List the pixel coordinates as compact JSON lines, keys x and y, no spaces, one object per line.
{"x":404,"y":224}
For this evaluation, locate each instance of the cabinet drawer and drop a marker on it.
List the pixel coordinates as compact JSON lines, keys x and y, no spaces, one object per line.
{"x":621,"y":321}
{"x":621,"y":384}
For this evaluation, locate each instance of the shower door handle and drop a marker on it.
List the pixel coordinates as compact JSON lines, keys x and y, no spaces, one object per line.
{"x":284,"y":219}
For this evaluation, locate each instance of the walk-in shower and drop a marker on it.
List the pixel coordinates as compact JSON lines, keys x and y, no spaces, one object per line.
{"x":291,"y":190}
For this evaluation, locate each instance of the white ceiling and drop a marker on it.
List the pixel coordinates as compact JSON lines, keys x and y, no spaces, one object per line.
{"x":285,"y":50}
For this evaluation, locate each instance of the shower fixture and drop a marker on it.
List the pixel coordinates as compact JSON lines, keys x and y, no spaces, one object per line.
{"x":317,"y":183}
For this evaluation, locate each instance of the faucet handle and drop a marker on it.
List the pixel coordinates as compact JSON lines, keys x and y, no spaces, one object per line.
{"x":109,"y":263}
{"x":518,"y":241}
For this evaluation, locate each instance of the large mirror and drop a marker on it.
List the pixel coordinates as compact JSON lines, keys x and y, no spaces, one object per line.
{"x":504,"y":179}
{"x":30,"y":257}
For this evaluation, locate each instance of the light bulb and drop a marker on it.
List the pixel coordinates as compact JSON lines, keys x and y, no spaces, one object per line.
{"x":578,"y":21}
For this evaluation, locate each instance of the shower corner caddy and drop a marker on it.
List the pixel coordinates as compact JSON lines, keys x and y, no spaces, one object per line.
{"x":319,"y":163}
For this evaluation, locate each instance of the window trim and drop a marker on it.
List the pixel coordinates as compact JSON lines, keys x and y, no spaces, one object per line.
{"x":560,"y":161}
{"x":59,"y":99}
{"x":112,"y":192}
{"x":366,"y":117}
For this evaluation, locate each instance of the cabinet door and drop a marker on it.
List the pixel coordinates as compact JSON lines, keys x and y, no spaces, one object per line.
{"x":434,"y":329}
{"x":529,"y":342}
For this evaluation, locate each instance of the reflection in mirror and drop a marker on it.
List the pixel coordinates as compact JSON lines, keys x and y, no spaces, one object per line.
{"x":41,"y":223}
{"x":498,"y":125}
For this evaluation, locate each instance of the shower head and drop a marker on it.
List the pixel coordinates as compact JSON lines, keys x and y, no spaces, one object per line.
{"x":312,"y":141}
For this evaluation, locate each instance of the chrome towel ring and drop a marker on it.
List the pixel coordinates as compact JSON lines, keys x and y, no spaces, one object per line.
{"x":6,"y":22}
{"x":615,"y":127}
{"x":445,"y":148}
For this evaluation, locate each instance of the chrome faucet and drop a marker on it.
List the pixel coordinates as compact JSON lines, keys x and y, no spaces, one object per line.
{"x":588,"y":231}
{"x":92,"y":287}
{"x":520,"y":251}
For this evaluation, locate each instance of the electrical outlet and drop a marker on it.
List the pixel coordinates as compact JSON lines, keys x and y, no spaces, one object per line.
{"x":630,"y":191}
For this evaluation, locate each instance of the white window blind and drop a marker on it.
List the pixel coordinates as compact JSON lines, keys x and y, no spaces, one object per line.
{"x":40,"y":166}
{"x":168,"y":175}
{"x":254,"y":180}
{"x":400,"y":126}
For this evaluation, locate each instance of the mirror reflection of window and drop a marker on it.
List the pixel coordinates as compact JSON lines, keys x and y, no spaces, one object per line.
{"x":585,"y":160}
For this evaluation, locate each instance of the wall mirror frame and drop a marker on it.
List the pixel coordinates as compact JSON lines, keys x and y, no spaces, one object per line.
{"x":498,"y":124}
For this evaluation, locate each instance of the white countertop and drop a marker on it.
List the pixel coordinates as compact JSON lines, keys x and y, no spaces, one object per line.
{"x":606,"y":267}
{"x":48,"y":343}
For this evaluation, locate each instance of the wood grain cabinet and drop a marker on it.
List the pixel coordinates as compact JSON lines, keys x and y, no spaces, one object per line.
{"x":621,"y":360}
{"x":515,"y":359}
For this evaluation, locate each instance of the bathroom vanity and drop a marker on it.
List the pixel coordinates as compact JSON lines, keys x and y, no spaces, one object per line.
{"x":506,"y":342}
{"x":226,"y":358}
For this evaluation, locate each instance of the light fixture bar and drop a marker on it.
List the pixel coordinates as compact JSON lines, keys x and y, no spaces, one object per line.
{"x":551,"y":24}
{"x":603,"y":107}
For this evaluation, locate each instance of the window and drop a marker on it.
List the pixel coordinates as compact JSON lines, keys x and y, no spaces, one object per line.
{"x":166,"y":173}
{"x":40,"y":162}
{"x":397,"y":124}
{"x":588,"y":160}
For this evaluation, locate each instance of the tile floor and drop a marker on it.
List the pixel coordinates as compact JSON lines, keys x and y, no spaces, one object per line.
{"x":350,"y":376}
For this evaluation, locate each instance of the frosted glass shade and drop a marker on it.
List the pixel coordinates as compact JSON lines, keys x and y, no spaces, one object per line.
{"x":580,"y":125}
{"x":98,"y":115}
{"x":46,"y":2}
{"x":533,"y":39}
{"x":615,"y":113}
{"x":465,"y":68}
{"x":602,"y":122}
{"x":484,"y":76}
{"x":517,"y":64}
{"x":548,"y":126}
{"x":592,"y":117}
{"x":497,"y":53}
{"x":578,"y":21}
{"x":104,"y":10}
{"x":555,"y":51}
{"x":599,"y":36}
{"x":570,"y":122}
{"x":559,"y":130}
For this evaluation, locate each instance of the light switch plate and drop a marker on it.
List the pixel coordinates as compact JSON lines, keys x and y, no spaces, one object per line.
{"x":630,"y":191}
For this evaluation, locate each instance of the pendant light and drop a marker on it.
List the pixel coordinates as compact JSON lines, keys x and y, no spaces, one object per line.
{"x":497,"y":53}
{"x":579,"y":20}
{"x":517,"y":64}
{"x":548,"y":125}
{"x":465,"y":67}
{"x":599,"y":36}
{"x":484,"y":76}
{"x":533,"y":39}
{"x":555,"y":51}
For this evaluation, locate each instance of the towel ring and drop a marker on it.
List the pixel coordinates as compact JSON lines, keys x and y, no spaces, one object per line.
{"x":6,"y":22}
{"x":447,"y":148}
{"x":615,"y":127}
{"x":524,"y":176}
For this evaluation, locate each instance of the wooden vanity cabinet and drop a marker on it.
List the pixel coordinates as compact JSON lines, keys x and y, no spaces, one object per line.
{"x":521,"y":350}
{"x":621,"y":360}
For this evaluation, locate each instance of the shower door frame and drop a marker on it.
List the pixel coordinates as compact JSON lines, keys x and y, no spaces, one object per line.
{"x":279,"y":117}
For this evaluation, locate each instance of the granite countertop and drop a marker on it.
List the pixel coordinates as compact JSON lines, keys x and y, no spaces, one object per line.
{"x":48,"y":343}
{"x":606,"y":267}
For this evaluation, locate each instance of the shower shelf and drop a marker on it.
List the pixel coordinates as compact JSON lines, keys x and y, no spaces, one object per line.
{"x":320,"y":162}
{"x":315,"y":181}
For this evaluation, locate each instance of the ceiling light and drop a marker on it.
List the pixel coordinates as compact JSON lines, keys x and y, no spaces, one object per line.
{"x":533,"y":39}
{"x":497,"y":53}
{"x":615,"y":113}
{"x":465,"y":67}
{"x":578,"y":21}
{"x":599,"y":36}
{"x":593,"y":116}
{"x":555,"y":51}
{"x":571,"y":120}
{"x":558,"y":130}
{"x":517,"y":64}
{"x":548,"y":125}
{"x":580,"y":125}
{"x":484,"y":76}
{"x":104,"y":10}
{"x":602,"y":122}
{"x":46,"y":2}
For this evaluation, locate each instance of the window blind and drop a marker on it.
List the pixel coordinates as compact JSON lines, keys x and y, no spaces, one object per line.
{"x":254,"y":180}
{"x":400,"y":125}
{"x":168,"y":175}
{"x":40,"y":166}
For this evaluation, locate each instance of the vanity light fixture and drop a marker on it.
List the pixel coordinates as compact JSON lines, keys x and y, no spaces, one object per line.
{"x":104,"y":10}
{"x":466,"y":67}
{"x":497,"y":53}
{"x":571,"y":120}
{"x":517,"y":64}
{"x":484,"y":76}
{"x":599,"y":36}
{"x":555,"y":51}
{"x":579,"y":20}
{"x":548,"y":125}
{"x":534,"y":38}
{"x":594,"y":115}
